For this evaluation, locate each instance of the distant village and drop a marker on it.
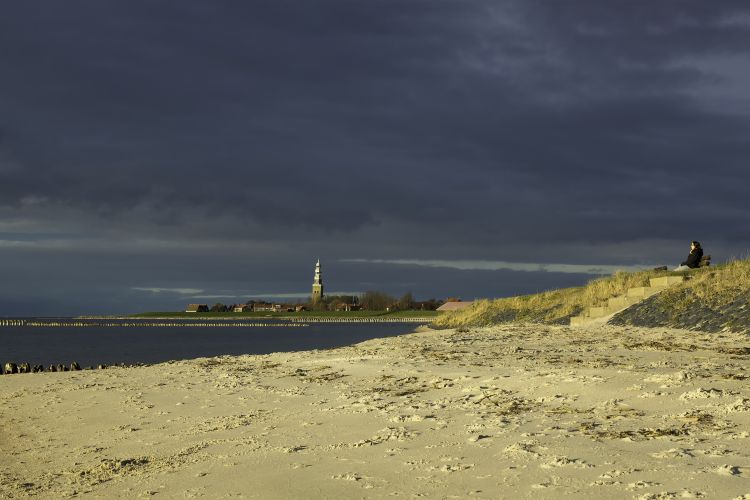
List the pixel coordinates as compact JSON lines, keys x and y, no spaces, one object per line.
{"x":319,"y":301}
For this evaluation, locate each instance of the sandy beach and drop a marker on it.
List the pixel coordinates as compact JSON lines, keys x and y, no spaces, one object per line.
{"x":505,"y":412}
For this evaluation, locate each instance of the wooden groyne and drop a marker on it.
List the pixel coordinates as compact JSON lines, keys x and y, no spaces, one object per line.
{"x":11,"y":368}
{"x":12,"y":322}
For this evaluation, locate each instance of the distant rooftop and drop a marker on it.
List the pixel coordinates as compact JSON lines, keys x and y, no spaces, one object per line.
{"x":455,"y":306}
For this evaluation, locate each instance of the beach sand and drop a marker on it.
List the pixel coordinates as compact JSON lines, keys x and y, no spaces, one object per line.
{"x":504,"y":412}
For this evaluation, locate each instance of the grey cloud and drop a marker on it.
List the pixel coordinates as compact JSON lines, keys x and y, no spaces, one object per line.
{"x":485,"y":265}
{"x":180,"y":291}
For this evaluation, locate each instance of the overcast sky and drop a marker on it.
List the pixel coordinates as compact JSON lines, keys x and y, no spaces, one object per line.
{"x":156,"y":153}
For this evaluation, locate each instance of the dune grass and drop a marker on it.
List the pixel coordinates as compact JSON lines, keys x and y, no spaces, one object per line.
{"x":715,"y":286}
{"x":550,"y":307}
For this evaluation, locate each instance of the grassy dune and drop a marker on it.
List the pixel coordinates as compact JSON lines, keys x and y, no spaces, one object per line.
{"x":714,"y":299}
{"x":716,"y":287}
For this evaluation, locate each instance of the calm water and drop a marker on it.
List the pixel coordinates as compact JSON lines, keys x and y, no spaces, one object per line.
{"x":93,"y":345}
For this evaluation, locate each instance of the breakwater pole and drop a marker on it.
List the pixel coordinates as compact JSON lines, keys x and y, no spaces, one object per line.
{"x":11,"y":368}
{"x":12,"y":322}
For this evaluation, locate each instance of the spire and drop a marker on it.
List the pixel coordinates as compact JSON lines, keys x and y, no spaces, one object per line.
{"x":317,"y":279}
{"x":317,"y":286}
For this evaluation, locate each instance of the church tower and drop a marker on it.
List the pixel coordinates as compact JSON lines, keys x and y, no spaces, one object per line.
{"x":317,"y":288}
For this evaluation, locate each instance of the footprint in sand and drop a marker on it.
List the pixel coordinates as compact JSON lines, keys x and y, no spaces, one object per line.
{"x":674,"y":453}
{"x":740,"y":405}
{"x":555,"y":462}
{"x":670,"y":379}
{"x":387,"y":434}
{"x":701,"y":393}
{"x":641,"y":484}
{"x":728,"y":470}
{"x":455,"y":467}
{"x":349,"y":476}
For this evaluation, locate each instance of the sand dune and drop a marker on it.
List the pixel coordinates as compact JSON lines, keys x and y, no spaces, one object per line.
{"x":505,"y":412}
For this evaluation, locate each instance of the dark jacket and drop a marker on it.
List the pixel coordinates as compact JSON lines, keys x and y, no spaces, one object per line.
{"x":694,"y":258}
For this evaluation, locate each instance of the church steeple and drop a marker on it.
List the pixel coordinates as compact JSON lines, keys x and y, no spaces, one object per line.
{"x":317,"y":287}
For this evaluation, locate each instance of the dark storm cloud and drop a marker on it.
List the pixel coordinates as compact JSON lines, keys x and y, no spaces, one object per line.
{"x":579,"y":132}
{"x":282,"y":105}
{"x":267,"y":107}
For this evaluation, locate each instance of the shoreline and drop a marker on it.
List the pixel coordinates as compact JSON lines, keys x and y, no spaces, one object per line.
{"x":509,"y":411}
{"x":37,"y":347}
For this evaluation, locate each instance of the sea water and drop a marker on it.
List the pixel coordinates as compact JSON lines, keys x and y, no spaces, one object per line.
{"x":92,"y":344}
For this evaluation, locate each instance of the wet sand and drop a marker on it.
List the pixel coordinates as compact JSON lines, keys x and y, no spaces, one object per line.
{"x":505,"y":412}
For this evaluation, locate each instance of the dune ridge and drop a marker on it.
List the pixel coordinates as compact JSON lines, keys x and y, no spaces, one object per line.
{"x":711,"y":299}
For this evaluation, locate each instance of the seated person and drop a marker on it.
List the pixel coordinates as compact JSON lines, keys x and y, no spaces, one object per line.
{"x":693,"y":259}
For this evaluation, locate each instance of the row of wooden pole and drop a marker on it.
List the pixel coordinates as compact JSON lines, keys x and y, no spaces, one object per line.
{"x":281,"y":322}
{"x":12,"y":322}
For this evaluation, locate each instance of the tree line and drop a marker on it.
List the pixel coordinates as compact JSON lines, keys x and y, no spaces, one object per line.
{"x":371,"y":300}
